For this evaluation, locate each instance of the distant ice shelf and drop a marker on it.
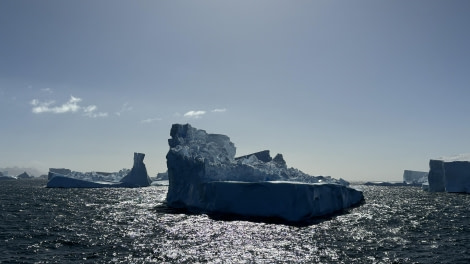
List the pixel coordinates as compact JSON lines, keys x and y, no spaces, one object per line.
{"x":204,"y":176}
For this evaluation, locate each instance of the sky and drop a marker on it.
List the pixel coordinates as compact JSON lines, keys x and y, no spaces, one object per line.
{"x":359,"y":90}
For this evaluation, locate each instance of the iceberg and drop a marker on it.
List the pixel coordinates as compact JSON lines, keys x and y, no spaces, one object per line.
{"x":136,"y":177}
{"x":415,"y":177}
{"x":449,"y":176}
{"x":2,"y":177}
{"x":436,"y":178}
{"x":62,"y":181}
{"x":390,"y":184}
{"x":24,"y":175}
{"x":410,"y":178}
{"x":204,"y":176}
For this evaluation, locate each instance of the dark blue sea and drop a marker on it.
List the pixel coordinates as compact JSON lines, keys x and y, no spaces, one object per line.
{"x":394,"y":225}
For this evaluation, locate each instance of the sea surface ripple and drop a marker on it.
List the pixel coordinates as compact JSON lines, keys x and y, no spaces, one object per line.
{"x":116,"y":225}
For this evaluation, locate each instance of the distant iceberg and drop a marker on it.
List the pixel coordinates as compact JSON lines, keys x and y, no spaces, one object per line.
{"x":61,"y":181}
{"x":416,"y":178}
{"x":204,"y":176}
{"x":136,"y":177}
{"x":410,"y":178}
{"x":6,"y":177}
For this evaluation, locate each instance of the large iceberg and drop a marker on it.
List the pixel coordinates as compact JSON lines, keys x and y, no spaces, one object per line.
{"x":205,"y":176}
{"x":449,"y":176}
{"x":136,"y":177}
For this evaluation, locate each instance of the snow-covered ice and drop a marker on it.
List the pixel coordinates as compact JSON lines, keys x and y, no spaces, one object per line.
{"x":205,"y":176}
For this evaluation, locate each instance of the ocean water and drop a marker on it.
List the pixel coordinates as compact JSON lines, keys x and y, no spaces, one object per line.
{"x":394,"y":225}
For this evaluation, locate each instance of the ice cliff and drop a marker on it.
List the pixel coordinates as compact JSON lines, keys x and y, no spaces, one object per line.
{"x":205,"y":176}
{"x":449,"y":176}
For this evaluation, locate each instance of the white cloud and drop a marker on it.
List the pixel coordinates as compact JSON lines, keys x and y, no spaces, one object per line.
{"x":74,"y":99}
{"x":90,"y":112}
{"x":89,"y":108}
{"x":71,"y":106}
{"x":46,"y":90}
{"x":125,"y":108}
{"x":219,"y":110}
{"x":459,"y":157}
{"x":195,"y":114}
{"x":34,"y":102}
{"x":95,"y":115}
{"x":41,"y":107}
{"x":150,"y":120}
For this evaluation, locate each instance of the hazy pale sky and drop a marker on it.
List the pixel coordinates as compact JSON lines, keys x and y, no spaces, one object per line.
{"x":355,"y":89}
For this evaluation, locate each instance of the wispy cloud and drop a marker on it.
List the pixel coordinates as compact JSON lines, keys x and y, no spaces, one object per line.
{"x":194,"y":114}
{"x":150,"y":120}
{"x":46,"y":90}
{"x":45,"y":107}
{"x":125,"y":108}
{"x":71,"y":106}
{"x":90,"y":111}
{"x":459,"y":157}
{"x":219,"y":110}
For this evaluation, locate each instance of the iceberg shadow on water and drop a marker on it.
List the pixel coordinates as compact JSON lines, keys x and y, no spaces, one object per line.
{"x":205,"y":177}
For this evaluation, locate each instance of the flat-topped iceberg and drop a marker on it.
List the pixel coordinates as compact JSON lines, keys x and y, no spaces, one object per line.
{"x":136,"y":177}
{"x":205,"y":176}
{"x":449,"y":176}
{"x":415,"y":177}
{"x":63,"y":181}
{"x":410,"y":178}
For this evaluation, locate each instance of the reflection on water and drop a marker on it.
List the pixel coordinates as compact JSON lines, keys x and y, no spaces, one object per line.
{"x":395,"y":225}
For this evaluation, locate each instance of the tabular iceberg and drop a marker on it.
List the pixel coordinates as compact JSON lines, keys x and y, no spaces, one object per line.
{"x":415,"y":177}
{"x":205,"y":176}
{"x":136,"y":177}
{"x":449,"y":176}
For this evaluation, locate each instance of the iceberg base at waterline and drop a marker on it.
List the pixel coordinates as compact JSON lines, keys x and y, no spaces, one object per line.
{"x":289,"y":201}
{"x":204,"y":176}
